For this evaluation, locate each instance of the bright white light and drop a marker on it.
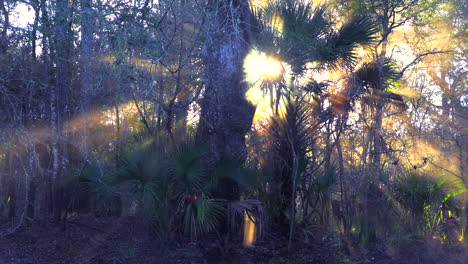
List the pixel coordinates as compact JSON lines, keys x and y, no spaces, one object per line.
{"x":260,"y":67}
{"x":23,"y":15}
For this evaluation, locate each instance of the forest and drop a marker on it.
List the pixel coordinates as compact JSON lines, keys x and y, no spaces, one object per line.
{"x":233,"y":131}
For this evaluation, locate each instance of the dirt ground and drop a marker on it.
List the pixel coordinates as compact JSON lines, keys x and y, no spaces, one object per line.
{"x":126,"y":240}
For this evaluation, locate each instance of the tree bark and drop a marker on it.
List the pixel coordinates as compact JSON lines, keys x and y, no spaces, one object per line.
{"x":226,"y":114}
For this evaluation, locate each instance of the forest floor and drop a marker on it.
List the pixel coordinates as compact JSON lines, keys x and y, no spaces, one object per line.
{"x":122,"y":240}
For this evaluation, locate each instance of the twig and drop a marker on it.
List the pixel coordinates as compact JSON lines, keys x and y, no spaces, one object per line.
{"x":444,"y":169}
{"x":419,"y":58}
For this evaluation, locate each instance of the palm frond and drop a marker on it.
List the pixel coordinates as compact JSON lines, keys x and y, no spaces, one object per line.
{"x":326,"y":180}
{"x":293,"y":127}
{"x":424,"y":198}
{"x":341,"y":45}
{"x":186,"y":167}
{"x":371,"y":76}
{"x":143,"y":165}
{"x":97,"y":179}
{"x":203,"y":215}
{"x":254,"y":209}
{"x":370,"y":80}
{"x":302,"y":22}
{"x":291,"y":31}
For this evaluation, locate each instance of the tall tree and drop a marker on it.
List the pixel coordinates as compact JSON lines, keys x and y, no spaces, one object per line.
{"x":87,"y":56}
{"x":305,"y":37}
{"x":60,"y":92}
{"x":5,"y":27}
{"x":226,"y":114}
{"x":377,"y":76}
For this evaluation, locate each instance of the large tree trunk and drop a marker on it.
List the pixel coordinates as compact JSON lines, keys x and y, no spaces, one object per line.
{"x":226,"y":114}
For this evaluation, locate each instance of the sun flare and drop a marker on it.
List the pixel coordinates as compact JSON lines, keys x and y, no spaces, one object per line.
{"x":249,"y":230}
{"x":260,"y":67}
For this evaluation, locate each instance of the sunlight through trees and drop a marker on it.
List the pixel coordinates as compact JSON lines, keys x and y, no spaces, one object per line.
{"x":329,"y":131}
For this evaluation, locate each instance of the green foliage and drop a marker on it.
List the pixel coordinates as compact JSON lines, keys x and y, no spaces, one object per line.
{"x":291,"y":131}
{"x":203,"y":215}
{"x":424,"y":199}
{"x":341,"y":45}
{"x":307,"y":36}
{"x":291,"y":135}
{"x":369,"y":74}
{"x":186,"y":167}
{"x":371,"y":79}
{"x":97,"y":180}
{"x":168,"y":184}
{"x":326,"y":180}
{"x":173,"y":188}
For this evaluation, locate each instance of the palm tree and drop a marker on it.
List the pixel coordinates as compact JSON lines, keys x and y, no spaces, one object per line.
{"x":299,"y":34}
{"x":290,"y":139}
{"x":370,"y":84}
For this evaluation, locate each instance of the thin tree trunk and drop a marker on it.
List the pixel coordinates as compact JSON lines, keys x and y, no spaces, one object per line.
{"x":62,"y":43}
{"x":11,"y":183}
{"x":31,"y":183}
{"x":6,"y":26}
{"x":87,"y":51}
{"x":117,"y":135}
{"x":292,"y":219}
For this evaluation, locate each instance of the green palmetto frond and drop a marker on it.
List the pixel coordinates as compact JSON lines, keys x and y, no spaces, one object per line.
{"x":372,"y":84}
{"x":304,"y":28}
{"x":142,"y":165}
{"x":172,"y":186}
{"x":415,"y":191}
{"x":203,"y":215}
{"x":293,"y":127}
{"x":96,"y":179}
{"x":306,"y":35}
{"x":341,"y":45}
{"x":99,"y":181}
{"x":186,"y":167}
{"x":326,"y":180}
{"x":290,"y":138}
{"x":290,"y":30}
{"x":424,"y":198}
{"x":370,"y":76}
